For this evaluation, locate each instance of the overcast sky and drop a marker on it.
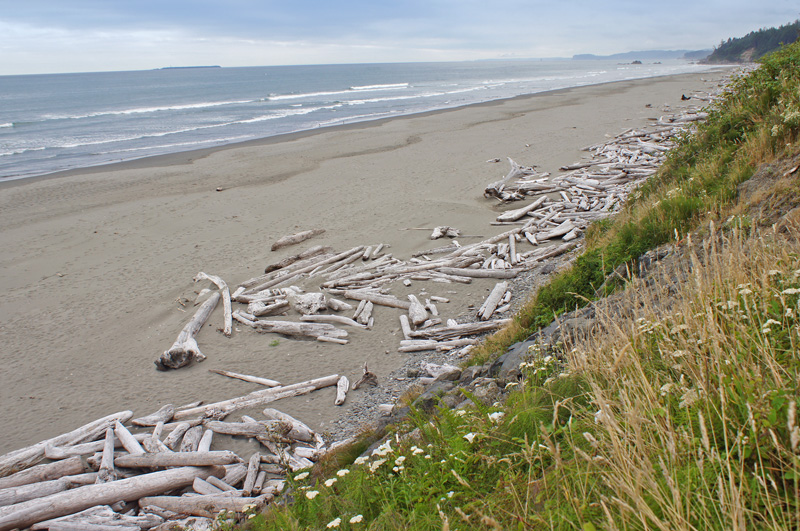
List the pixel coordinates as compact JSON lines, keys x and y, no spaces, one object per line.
{"x":43,"y":36}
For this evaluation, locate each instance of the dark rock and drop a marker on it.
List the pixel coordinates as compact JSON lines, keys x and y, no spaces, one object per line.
{"x":485,"y":390}
{"x":428,"y":400}
{"x":470,"y":373}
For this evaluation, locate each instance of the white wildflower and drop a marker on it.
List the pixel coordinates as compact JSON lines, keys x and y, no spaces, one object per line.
{"x":461,"y":412}
{"x":312,"y":494}
{"x":417,"y":451}
{"x":791,"y":291}
{"x":771,"y":322}
{"x":469,"y":437}
{"x":496,"y":416}
{"x":301,"y":476}
{"x":330,"y":482}
{"x":357,"y":519}
{"x":334,"y":523}
{"x":399,"y":461}
{"x":450,"y":494}
{"x":342,"y":473}
{"x":375,"y":464}
{"x":361,"y":460}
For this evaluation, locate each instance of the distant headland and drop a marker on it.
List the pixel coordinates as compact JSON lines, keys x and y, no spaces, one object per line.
{"x":184,"y":67}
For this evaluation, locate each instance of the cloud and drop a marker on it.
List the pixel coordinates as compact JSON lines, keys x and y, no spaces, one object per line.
{"x":80,"y":35}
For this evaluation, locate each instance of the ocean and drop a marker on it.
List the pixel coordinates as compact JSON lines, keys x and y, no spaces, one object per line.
{"x":55,"y":122}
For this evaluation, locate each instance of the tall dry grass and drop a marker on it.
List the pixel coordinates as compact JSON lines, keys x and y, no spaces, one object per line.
{"x":695,"y":424}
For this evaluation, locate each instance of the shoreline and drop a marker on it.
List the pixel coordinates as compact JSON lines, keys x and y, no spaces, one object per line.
{"x":186,"y":157}
{"x":100,"y":261}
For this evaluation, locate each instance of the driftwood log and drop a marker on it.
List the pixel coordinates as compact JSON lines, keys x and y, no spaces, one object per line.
{"x":185,"y":349}
{"x":28,"y":513}
{"x":296,"y":238}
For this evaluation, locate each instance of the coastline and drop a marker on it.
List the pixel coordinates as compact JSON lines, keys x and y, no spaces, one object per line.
{"x":186,"y":157}
{"x":98,"y":256}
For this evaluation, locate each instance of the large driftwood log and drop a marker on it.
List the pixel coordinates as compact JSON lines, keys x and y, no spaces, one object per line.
{"x":94,"y":518}
{"x":226,"y":300}
{"x":28,"y":513}
{"x":382,"y":300}
{"x":417,"y":313}
{"x":289,"y":260}
{"x":63,"y":452}
{"x":55,"y":470}
{"x":296,"y":238}
{"x":496,"y":188}
{"x":208,"y":506}
{"x":12,"y":495}
{"x":492,"y":301}
{"x":29,"y":456}
{"x":254,"y":398}
{"x":342,"y":386}
{"x":302,"y":329}
{"x":107,"y":472}
{"x":299,"y":431}
{"x":185,"y":349}
{"x":164,"y":414}
{"x":164,"y":459}
{"x":247,"y":378}
{"x":514,"y":215}
{"x":457,"y":330}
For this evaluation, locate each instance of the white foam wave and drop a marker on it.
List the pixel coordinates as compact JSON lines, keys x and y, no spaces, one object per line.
{"x":146,"y":110}
{"x":6,"y":125}
{"x":364,"y":88}
{"x":388,"y":86}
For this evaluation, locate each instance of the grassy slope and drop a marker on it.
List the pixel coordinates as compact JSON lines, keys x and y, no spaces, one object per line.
{"x":681,"y":414}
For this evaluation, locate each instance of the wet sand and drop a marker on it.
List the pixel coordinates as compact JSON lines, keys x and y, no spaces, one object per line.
{"x":95,"y":261}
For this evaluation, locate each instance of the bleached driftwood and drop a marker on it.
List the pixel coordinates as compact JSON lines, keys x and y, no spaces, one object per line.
{"x":107,"y":472}
{"x":45,"y":472}
{"x":382,"y":300}
{"x":191,"y":439}
{"x":28,"y":513}
{"x":339,"y":319}
{"x":496,"y":188}
{"x":164,"y":459}
{"x":296,"y":238}
{"x":417,"y":313}
{"x":185,"y":349}
{"x":457,"y":330}
{"x":164,"y":414}
{"x":308,"y":253}
{"x":254,"y":398}
{"x":307,"y":303}
{"x":100,"y":518}
{"x":405,"y":326}
{"x":12,"y":495}
{"x":487,"y":309}
{"x":247,"y":378}
{"x":342,"y":386}
{"x":299,"y":431}
{"x":301,"y":329}
{"x":337,"y":305}
{"x":127,"y":440}
{"x":441,"y":232}
{"x":205,"y":506}
{"x":227,"y":328}
{"x":29,"y":456}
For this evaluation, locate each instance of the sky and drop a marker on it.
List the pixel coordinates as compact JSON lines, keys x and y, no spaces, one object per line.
{"x":54,"y":36}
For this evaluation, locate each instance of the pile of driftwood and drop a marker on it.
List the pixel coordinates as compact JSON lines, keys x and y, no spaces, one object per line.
{"x":550,"y":225}
{"x":150,"y":472}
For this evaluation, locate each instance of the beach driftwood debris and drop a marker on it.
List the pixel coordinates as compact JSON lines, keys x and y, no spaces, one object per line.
{"x":125,"y":474}
{"x":551,"y":224}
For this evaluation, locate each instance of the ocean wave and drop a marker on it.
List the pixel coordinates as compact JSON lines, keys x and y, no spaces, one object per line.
{"x":388,"y":86}
{"x":20,"y":151}
{"x":177,"y":144}
{"x":6,"y":125}
{"x":351,"y":90}
{"x":146,"y":110}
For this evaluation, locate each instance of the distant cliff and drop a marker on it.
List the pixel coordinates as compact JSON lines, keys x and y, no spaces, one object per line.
{"x":755,"y":44}
{"x":648,"y":55}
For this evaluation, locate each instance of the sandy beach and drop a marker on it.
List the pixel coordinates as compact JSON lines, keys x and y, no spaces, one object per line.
{"x":96,"y":262}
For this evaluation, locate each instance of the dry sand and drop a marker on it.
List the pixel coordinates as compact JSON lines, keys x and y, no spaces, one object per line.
{"x":94,"y":261}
